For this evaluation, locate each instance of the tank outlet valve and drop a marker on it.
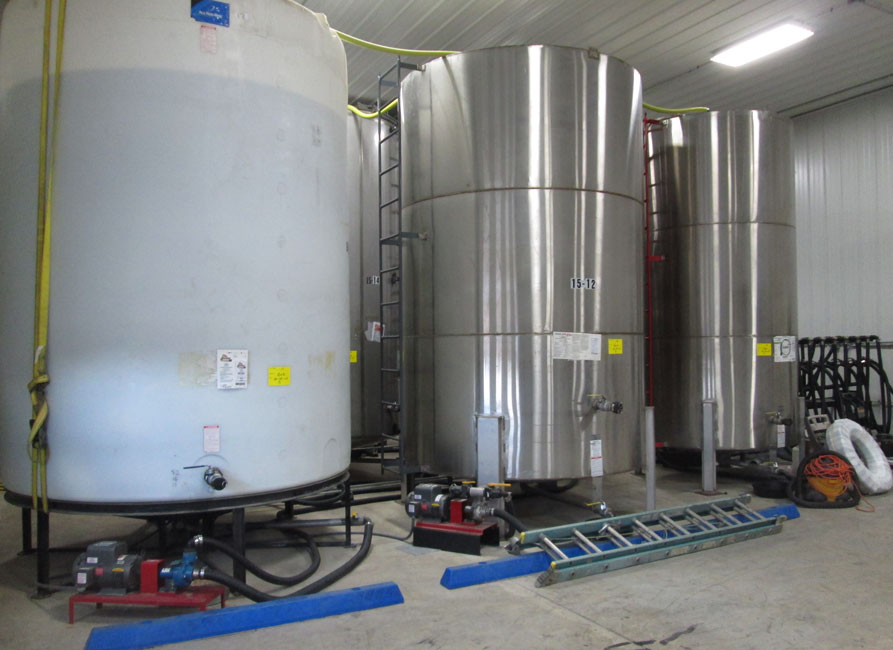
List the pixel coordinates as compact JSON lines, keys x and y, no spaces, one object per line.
{"x":777,"y":417}
{"x":602,"y":403}
{"x":214,"y":477}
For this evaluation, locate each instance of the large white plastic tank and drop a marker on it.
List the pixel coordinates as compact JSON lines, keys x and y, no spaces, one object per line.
{"x":198,"y":208}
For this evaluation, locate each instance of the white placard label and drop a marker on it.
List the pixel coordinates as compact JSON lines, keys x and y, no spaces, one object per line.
{"x":596,"y":462}
{"x":576,"y":346}
{"x":785,"y":348}
{"x":373,"y":331}
{"x":82,"y":578}
{"x":212,"y":439}
{"x":232,"y":369}
{"x":779,"y":436}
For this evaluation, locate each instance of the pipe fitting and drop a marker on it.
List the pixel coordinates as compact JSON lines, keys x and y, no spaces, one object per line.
{"x":214,"y":477}
{"x":602,"y":403}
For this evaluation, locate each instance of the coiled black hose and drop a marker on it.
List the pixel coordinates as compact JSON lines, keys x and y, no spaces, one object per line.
{"x":256,"y":595}
{"x":513,"y":522}
{"x":200,"y":541}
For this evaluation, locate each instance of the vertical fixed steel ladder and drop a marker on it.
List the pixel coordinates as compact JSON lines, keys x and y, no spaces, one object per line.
{"x":390,"y":269}
{"x":601,"y":545}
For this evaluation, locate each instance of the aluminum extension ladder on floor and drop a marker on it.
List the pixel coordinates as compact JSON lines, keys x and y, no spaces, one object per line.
{"x":601,"y":545}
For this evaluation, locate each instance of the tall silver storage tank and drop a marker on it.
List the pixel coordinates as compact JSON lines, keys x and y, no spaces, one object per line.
{"x":725,"y":294}
{"x":522,"y":175}
{"x":199,"y":295}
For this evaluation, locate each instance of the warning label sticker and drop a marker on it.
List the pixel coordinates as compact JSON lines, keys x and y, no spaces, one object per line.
{"x":576,"y":346}
{"x":596,"y":461}
{"x":232,"y":369}
{"x":785,"y":349}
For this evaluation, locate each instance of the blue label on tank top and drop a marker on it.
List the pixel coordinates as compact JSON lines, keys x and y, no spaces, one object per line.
{"x":211,"y":11}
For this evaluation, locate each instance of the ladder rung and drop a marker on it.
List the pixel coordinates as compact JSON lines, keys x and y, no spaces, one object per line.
{"x":553,"y":550}
{"x":390,"y":270}
{"x":388,"y":170}
{"x":619,"y":539}
{"x":694,"y":516}
{"x":388,"y":337}
{"x":756,"y":516}
{"x":647,"y":533}
{"x":384,"y":402}
{"x":387,"y":203}
{"x":672,"y":525}
{"x":389,"y":303}
{"x":723,"y":517}
{"x":390,"y":135}
{"x":585,"y":543}
{"x":390,"y":369}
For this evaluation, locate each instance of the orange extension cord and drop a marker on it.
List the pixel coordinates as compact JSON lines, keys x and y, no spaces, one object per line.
{"x":832,"y":476}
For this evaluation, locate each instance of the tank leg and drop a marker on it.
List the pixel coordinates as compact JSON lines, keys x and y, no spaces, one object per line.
{"x":288,"y":513}
{"x":162,"y":534}
{"x":208,"y":524}
{"x":650,"y":478}
{"x":26,"y":532}
{"x":239,"y":542}
{"x":43,"y":554}
{"x":597,"y":503}
{"x":348,"y":500}
{"x":708,"y":450}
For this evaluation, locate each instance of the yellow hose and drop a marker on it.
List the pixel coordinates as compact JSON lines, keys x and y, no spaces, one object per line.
{"x":356,"y":111}
{"x":347,"y":38}
{"x":677,"y":111}
{"x":353,"y":40}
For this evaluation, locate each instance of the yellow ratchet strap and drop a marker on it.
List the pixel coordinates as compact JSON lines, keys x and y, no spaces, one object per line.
{"x":38,"y":449}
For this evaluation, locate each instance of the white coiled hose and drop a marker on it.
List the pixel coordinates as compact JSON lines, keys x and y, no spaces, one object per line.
{"x":854,"y":443}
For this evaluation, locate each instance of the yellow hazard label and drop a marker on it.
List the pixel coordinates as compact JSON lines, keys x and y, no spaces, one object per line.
{"x":615,"y":346}
{"x":353,"y":356}
{"x":764,"y":349}
{"x":279,"y":375}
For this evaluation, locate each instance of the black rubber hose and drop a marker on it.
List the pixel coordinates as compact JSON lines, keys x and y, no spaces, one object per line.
{"x":256,"y":595}
{"x":513,"y":522}
{"x":201,"y":541}
{"x":236,"y":586}
{"x":322,"y":500}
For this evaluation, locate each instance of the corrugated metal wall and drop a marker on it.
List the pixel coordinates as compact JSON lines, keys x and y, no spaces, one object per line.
{"x":843,"y":162}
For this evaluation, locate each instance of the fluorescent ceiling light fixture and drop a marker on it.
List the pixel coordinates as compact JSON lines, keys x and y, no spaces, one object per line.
{"x":763,"y":44}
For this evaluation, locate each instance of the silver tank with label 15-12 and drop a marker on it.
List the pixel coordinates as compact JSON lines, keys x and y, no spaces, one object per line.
{"x":725,"y":294}
{"x":522,"y":174}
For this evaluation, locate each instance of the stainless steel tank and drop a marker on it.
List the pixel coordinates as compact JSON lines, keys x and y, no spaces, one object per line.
{"x":725,"y":295}
{"x":522,"y":175}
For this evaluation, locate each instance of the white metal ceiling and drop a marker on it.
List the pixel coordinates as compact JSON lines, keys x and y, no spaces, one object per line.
{"x":669,"y":41}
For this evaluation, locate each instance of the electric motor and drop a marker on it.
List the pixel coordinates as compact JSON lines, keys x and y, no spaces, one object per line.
{"x":107,"y":566}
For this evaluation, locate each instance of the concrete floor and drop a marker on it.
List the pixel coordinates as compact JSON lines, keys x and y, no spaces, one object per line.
{"x":824,"y":582}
